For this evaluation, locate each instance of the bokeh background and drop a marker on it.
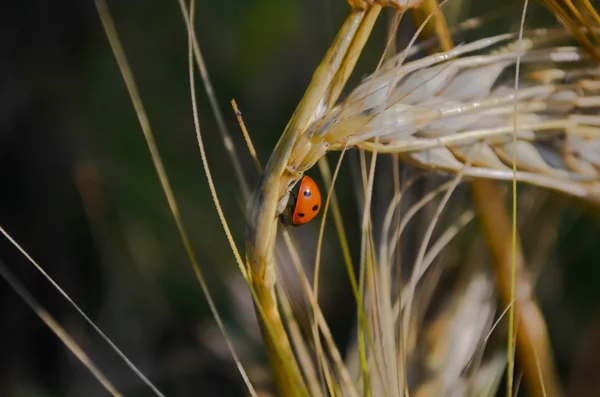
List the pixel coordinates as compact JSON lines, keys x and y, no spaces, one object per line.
{"x":79,"y":192}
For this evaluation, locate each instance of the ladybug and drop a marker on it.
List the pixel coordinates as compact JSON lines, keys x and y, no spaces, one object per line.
{"x":304,"y":203}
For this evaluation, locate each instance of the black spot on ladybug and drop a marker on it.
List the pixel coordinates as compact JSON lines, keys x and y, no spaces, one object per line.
{"x":307,"y":193}
{"x":316,"y":207}
{"x":301,"y":215}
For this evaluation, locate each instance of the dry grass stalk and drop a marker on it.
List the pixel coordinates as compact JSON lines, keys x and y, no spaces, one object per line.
{"x":431,"y":113}
{"x":261,"y":226}
{"x":533,"y":345}
{"x":542,"y":380}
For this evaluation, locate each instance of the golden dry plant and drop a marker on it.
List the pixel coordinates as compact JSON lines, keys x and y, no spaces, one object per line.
{"x":459,"y":111}
{"x":466,"y":118}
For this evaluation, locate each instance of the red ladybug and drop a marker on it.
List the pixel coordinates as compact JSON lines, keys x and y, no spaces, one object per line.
{"x":304,"y":203}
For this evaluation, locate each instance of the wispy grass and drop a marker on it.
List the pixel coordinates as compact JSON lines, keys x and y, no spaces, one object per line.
{"x":426,"y":114}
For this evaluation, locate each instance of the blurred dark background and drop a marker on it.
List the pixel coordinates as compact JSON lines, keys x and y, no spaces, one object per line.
{"x":79,"y":192}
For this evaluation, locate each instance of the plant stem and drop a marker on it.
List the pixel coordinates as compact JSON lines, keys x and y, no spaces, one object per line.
{"x":261,"y":226}
{"x":532,"y":341}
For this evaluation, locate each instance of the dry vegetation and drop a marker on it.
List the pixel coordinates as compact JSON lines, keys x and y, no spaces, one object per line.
{"x":454,"y":313}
